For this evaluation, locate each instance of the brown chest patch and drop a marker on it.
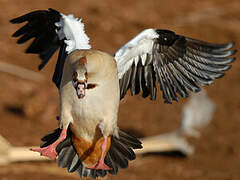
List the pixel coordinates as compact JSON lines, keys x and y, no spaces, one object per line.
{"x":89,"y":152}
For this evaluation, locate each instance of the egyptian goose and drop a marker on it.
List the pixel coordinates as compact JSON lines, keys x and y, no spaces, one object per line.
{"x":91,"y":84}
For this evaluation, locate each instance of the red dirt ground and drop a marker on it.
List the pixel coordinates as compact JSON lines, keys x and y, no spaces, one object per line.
{"x":28,"y":109}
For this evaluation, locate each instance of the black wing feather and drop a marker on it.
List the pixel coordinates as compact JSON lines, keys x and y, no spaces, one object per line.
{"x":57,"y":76}
{"x":179,"y":64}
{"x":41,"y":25}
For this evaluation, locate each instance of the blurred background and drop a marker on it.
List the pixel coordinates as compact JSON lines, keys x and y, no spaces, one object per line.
{"x":28,"y":108}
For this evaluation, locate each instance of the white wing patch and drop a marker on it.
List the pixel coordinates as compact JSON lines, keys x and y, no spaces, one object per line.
{"x":73,"y":30}
{"x":134,"y":50}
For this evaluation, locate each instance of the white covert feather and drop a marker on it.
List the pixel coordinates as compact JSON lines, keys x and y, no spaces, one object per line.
{"x":144,"y":57}
{"x":73,"y":30}
{"x":135,"y":48}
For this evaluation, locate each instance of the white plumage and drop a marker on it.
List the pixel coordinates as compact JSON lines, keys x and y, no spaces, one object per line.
{"x":135,"y":50}
{"x":73,"y":30}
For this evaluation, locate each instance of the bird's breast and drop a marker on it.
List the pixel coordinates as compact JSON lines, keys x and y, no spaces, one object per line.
{"x":87,"y":113}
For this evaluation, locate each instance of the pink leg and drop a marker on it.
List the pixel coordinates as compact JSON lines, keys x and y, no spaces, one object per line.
{"x":50,"y":151}
{"x":100,"y":164}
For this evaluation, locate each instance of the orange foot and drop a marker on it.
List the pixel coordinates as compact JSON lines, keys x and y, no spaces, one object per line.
{"x":49,"y":151}
{"x":99,"y":165}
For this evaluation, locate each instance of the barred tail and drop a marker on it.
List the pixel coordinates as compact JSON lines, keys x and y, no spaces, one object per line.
{"x":120,"y":152}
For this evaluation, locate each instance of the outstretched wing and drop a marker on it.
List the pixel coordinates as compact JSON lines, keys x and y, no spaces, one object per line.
{"x":178,"y":63}
{"x":51,"y":30}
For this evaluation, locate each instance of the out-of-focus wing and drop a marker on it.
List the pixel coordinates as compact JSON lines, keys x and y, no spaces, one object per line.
{"x":179,"y":64}
{"x":51,"y":30}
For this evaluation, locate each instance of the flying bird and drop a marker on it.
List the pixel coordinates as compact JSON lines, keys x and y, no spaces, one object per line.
{"x":91,"y":84}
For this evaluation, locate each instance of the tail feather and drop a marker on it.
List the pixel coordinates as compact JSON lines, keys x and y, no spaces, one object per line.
{"x":75,"y":163}
{"x":129,"y":140}
{"x":110,"y":163}
{"x":65,"y":160}
{"x":126,"y":151}
{"x":50,"y":138}
{"x":117,"y":157}
{"x":52,"y":135}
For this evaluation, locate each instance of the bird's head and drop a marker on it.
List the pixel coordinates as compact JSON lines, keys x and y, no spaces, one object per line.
{"x":80,"y":77}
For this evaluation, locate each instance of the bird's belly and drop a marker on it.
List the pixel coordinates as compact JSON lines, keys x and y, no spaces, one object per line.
{"x":89,"y":112}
